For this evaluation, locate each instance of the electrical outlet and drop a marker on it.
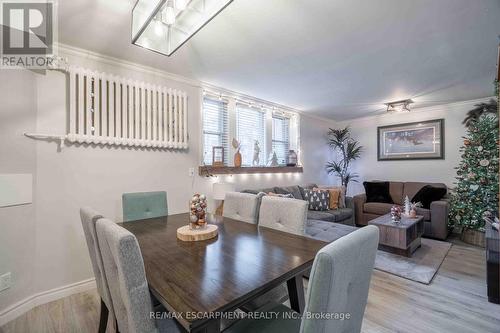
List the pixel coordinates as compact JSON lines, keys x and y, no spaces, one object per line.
{"x":5,"y":281}
{"x":191,"y":172}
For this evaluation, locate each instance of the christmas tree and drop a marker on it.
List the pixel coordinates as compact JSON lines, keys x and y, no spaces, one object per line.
{"x":476,"y":191}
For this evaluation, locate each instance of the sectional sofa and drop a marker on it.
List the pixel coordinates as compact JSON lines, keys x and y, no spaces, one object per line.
{"x":341,"y":215}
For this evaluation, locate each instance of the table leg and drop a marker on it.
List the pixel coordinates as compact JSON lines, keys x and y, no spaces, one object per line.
{"x":211,"y":326}
{"x":296,"y":293}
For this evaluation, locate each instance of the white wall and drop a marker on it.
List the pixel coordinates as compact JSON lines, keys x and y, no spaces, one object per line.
{"x":365,"y":131}
{"x":96,"y":176}
{"x":17,"y":155}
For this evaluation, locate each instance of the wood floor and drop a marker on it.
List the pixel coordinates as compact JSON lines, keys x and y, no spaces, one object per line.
{"x":454,"y":302}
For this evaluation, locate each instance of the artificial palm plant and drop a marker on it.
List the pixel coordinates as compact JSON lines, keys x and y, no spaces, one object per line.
{"x":341,"y":141}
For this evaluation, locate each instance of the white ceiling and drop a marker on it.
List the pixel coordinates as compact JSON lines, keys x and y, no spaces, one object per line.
{"x":336,"y":59}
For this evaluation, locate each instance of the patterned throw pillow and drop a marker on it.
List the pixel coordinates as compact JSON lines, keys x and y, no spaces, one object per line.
{"x":318,"y":200}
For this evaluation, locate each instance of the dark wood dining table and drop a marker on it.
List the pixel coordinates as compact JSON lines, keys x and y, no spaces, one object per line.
{"x":201,"y":279}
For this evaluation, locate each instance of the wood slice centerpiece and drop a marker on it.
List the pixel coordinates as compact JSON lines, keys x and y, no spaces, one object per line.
{"x":187,"y":234}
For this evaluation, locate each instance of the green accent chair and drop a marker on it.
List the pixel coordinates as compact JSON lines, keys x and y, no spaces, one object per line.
{"x":338,"y":286}
{"x":144,"y":205}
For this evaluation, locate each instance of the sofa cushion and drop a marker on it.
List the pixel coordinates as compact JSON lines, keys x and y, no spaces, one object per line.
{"x":293,"y":190}
{"x":377,"y":192}
{"x":428,"y":194}
{"x":327,"y":231}
{"x":337,"y":215}
{"x":426,"y":213}
{"x":396,"y":191}
{"x":318,"y":200}
{"x":377,"y":208}
{"x":411,"y":188}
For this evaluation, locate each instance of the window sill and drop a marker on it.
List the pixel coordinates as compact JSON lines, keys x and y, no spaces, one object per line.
{"x":208,"y":171}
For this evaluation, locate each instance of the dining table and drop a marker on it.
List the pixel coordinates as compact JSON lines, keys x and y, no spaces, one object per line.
{"x":201,"y":280}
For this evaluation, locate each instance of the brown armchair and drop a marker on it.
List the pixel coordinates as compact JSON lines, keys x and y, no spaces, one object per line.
{"x":435,"y":218}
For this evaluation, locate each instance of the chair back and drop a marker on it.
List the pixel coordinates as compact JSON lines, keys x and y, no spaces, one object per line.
{"x":285,"y":214}
{"x":89,"y":218}
{"x":241,"y":206}
{"x":144,"y":205}
{"x":339,"y":282}
{"x":126,"y":277}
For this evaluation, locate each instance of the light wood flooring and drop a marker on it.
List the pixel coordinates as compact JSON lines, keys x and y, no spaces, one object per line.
{"x":455,"y":302}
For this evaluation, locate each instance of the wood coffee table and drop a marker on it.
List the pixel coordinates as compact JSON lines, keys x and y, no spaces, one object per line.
{"x":401,"y":238}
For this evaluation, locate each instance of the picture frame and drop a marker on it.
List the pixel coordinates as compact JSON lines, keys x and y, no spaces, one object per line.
{"x":422,"y":140}
{"x":218,"y":156}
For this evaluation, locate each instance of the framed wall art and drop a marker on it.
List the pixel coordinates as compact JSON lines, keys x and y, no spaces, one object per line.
{"x":411,"y":141}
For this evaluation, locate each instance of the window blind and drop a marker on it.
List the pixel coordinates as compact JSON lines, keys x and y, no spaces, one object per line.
{"x":251,"y":128}
{"x":281,"y":138}
{"x":215,"y":128}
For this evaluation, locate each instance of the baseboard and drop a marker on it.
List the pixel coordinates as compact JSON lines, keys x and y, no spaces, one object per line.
{"x":17,"y":309}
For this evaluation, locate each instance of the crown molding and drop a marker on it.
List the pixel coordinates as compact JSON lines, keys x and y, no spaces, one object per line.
{"x":69,"y":50}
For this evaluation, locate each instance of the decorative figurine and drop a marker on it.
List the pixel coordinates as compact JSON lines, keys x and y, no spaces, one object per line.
{"x":407,"y":206}
{"x":256,"y":153}
{"x":197,"y":211}
{"x":273,"y":162}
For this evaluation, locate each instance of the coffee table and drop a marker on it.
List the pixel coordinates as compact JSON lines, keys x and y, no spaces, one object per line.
{"x":401,"y":238}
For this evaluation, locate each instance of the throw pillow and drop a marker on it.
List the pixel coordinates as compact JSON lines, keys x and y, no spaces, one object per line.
{"x":377,"y":192}
{"x":318,"y":200}
{"x":272,"y":194}
{"x":428,"y":194}
{"x":335,"y":195}
{"x":341,"y":202}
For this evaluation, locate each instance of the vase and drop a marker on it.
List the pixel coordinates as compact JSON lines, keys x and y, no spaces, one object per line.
{"x":292,"y":158}
{"x":237,"y":159}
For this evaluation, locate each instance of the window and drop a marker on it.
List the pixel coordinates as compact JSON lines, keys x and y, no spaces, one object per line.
{"x":215,"y":128}
{"x":251,"y":132}
{"x":281,"y":138}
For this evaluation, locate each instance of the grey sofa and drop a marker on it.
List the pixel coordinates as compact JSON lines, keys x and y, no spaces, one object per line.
{"x":341,"y":215}
{"x":435,"y":218}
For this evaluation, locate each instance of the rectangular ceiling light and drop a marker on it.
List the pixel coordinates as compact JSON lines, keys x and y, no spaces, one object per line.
{"x":165,"y":25}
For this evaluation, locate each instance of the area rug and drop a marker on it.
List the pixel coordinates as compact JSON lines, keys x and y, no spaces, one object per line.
{"x":421,"y":267}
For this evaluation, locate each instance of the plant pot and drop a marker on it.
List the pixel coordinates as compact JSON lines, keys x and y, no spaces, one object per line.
{"x":473,"y":237}
{"x":237,"y":159}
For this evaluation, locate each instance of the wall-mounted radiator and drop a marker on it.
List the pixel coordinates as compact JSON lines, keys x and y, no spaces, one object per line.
{"x":107,"y":109}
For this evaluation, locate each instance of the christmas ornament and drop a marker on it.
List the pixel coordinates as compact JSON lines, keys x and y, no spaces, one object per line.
{"x":466,"y":142}
{"x":484,"y":163}
{"x":480,"y":148}
{"x":474,"y":187}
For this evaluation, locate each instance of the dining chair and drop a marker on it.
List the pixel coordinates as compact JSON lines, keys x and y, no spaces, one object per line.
{"x":338,"y":286}
{"x":241,"y":206}
{"x":284,"y":214}
{"x":89,"y":218}
{"x":128,"y":286}
{"x":144,"y":205}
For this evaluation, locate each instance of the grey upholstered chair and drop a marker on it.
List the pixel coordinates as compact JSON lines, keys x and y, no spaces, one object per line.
{"x":89,"y":218}
{"x":339,"y":283}
{"x":285,"y":214}
{"x":241,"y":206}
{"x":144,"y":205}
{"x":128,"y":286}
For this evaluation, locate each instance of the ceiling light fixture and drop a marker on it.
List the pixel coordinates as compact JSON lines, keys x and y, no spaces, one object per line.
{"x":399,"y":106}
{"x":180,"y":20}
